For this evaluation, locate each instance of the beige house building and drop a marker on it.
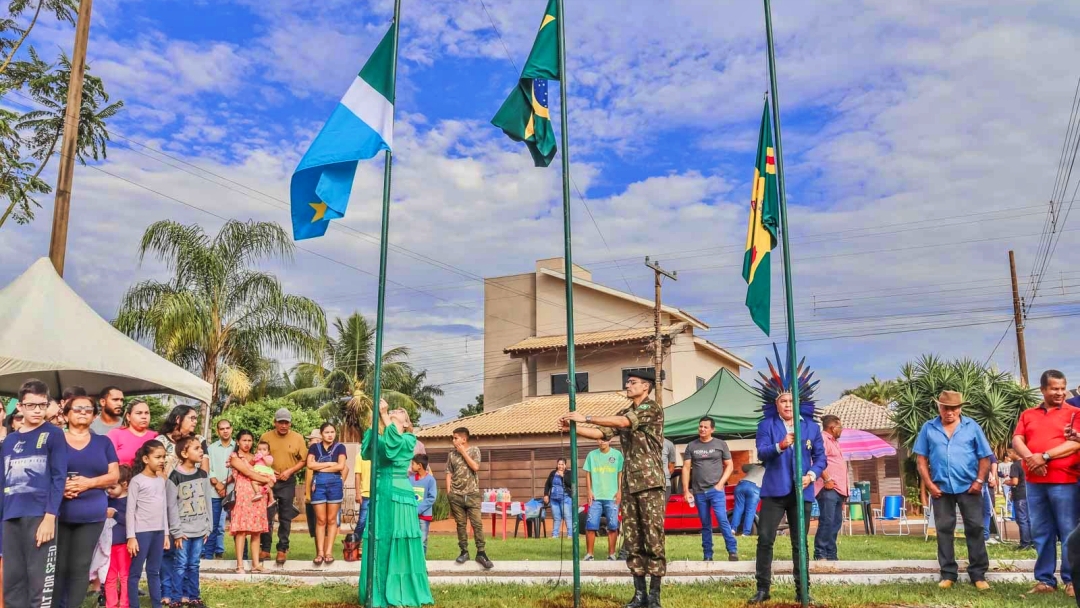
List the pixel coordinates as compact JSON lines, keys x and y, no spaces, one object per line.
{"x":525,"y":379}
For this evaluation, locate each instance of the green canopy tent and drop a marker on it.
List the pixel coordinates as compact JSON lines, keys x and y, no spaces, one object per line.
{"x":731,"y":402}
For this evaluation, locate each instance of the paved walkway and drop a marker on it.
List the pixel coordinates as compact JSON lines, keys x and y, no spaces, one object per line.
{"x":548,"y":572}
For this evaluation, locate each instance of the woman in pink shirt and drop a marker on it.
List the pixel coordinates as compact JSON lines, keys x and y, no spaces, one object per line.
{"x":133,"y":433}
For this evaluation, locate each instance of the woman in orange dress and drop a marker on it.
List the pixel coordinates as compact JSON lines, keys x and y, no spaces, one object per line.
{"x":248,"y":518}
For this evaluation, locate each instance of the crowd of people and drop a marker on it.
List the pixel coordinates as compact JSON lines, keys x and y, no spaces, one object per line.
{"x":93,"y":498}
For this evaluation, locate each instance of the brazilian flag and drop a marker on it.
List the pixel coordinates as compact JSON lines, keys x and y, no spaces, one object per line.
{"x":524,"y":115}
{"x":762,"y":230}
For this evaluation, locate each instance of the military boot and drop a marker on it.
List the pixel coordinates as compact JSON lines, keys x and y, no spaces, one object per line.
{"x":639,"y":600}
{"x":654,"y":593}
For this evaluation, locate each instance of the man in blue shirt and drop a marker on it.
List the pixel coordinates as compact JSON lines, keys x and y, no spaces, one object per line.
{"x":953,"y":458}
{"x":35,"y":461}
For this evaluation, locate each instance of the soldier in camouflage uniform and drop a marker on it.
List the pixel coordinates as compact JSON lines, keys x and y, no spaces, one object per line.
{"x":640,"y":429}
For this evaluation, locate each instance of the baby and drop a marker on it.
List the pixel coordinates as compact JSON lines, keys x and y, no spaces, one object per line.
{"x":261,"y":464}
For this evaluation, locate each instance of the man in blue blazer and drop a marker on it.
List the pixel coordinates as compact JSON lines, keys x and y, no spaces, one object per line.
{"x":775,"y":443}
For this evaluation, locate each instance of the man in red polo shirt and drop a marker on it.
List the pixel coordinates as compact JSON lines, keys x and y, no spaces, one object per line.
{"x":1050,"y":463}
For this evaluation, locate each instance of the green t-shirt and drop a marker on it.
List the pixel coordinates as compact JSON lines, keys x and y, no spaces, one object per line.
{"x":605,"y":469}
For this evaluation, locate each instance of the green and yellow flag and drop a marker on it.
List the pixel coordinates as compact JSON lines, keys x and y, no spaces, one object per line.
{"x":762,"y":229}
{"x":524,"y":115}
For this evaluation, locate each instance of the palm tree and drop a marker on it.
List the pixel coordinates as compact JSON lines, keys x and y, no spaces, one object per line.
{"x":217,"y":315}
{"x":996,"y":399}
{"x":875,"y":391}
{"x":63,"y":9}
{"x":422,"y":393}
{"x":342,"y":381}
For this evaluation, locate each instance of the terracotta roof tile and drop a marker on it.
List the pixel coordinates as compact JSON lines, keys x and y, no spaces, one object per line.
{"x":594,"y":338}
{"x":858,"y":413}
{"x":536,"y":416}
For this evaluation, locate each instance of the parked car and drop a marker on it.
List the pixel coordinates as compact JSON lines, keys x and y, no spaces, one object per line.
{"x":679,"y":517}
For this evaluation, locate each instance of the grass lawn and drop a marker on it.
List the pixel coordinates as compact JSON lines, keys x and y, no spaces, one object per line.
{"x":612,"y":596}
{"x":679,"y":547}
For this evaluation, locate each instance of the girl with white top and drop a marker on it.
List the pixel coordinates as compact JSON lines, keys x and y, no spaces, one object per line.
{"x":147,"y":521}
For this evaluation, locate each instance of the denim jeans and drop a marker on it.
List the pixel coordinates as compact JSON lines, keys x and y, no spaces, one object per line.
{"x":1072,"y":548}
{"x":747,"y":496}
{"x":425,"y":525}
{"x":150,"y":544}
{"x":988,"y":510}
{"x":186,"y":579}
{"x":560,"y":512}
{"x":362,"y":518}
{"x":215,"y":543}
{"x":170,"y":572}
{"x":830,"y":521}
{"x":1023,"y":521}
{"x":714,"y":502}
{"x":1053,"y":516}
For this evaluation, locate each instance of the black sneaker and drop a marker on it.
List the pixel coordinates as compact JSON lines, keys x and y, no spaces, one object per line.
{"x":101,"y":599}
{"x":732,"y":557}
{"x":464,"y":557}
{"x":485,"y":563}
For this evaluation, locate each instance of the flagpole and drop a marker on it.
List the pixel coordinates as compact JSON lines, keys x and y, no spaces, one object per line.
{"x":376,"y":391}
{"x":571,"y":375}
{"x":790,"y":309}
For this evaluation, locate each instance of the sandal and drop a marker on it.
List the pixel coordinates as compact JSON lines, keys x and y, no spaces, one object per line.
{"x":241,"y":571}
{"x":318,"y":560}
{"x":260,"y":568}
{"x":329,"y":559}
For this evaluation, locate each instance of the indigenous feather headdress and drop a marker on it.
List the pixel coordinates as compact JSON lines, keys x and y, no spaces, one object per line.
{"x":779,"y":381}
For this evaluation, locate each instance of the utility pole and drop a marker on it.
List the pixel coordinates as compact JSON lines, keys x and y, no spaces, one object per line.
{"x":58,"y":243}
{"x":1018,"y":321}
{"x":658,"y":338}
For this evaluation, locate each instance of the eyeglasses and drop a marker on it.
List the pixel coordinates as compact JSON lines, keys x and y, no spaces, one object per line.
{"x":43,"y":405}
{"x":82,"y":410}
{"x":634,"y":382}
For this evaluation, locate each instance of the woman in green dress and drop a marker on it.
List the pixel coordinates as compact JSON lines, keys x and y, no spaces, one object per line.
{"x":400,"y":566}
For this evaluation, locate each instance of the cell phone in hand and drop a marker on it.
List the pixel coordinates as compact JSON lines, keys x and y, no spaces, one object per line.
{"x":71,"y":475}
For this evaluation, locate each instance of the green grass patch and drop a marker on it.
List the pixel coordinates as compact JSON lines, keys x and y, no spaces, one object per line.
{"x":679,"y":547}
{"x":240,"y":595}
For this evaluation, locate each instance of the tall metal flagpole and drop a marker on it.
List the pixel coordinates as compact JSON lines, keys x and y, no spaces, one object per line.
{"x":789,"y":305}
{"x":376,"y":391}
{"x":571,"y":375}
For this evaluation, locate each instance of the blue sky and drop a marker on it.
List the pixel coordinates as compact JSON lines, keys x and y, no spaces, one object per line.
{"x":920,"y":141}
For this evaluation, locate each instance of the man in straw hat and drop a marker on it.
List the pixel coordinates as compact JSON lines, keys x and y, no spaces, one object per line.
{"x":640,"y":427}
{"x":953,"y":458}
{"x":1050,"y":463}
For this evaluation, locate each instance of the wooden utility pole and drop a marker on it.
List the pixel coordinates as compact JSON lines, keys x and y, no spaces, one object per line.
{"x":658,"y":338}
{"x":69,"y":145}
{"x":1018,"y":321}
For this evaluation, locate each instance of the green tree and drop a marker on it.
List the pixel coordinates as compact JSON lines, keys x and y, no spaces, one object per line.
{"x":996,"y":399}
{"x":423,"y":394}
{"x":29,"y":140}
{"x":341,"y":381}
{"x":258,"y":416}
{"x":875,"y":391}
{"x":477,"y":407}
{"x":217,"y":315}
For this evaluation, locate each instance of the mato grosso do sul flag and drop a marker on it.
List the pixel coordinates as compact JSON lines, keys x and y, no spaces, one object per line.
{"x":360,"y":127}
{"x":524,"y":115}
{"x":762,"y":229}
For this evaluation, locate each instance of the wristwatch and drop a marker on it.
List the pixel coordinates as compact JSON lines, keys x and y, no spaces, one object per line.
{"x":1046,"y":456}
{"x":588,"y":418}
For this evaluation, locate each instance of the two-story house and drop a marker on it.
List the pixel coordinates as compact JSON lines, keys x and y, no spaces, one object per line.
{"x":525,"y":376}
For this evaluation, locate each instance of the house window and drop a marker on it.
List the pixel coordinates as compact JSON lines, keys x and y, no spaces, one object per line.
{"x":626,"y":372}
{"x":559,"y":385}
{"x":700,"y":383}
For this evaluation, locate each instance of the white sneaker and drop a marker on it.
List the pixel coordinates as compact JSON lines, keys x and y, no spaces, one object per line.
{"x":993,"y":541}
{"x":588,"y":557}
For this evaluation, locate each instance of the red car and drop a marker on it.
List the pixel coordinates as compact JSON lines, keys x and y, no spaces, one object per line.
{"x":679,"y":516}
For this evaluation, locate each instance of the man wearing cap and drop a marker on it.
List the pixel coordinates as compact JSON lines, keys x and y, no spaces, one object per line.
{"x":1050,"y":465}
{"x":640,"y":428}
{"x":289,"y":450}
{"x":953,"y":458}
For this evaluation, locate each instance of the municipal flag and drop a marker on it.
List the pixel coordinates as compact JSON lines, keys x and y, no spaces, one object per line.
{"x":360,"y":127}
{"x":762,"y":229}
{"x":524,"y":115}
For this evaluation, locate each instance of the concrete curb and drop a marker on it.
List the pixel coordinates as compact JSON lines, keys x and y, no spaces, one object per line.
{"x":822,"y":579}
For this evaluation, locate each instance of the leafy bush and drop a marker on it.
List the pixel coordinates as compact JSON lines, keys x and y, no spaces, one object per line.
{"x":441,"y":510}
{"x":258,"y":417}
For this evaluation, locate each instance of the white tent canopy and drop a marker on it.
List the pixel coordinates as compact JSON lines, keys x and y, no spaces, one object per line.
{"x":48,"y":332}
